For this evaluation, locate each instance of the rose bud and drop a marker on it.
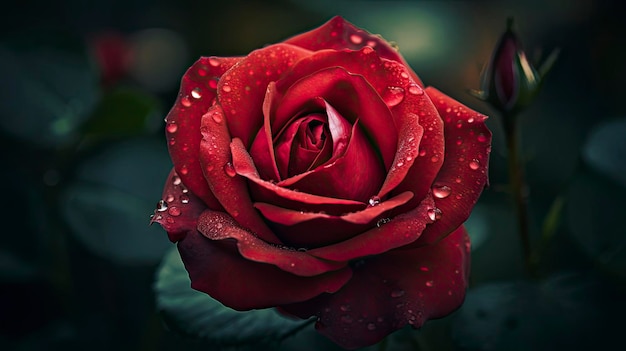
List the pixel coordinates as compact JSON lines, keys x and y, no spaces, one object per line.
{"x":510,"y":81}
{"x":320,"y":176}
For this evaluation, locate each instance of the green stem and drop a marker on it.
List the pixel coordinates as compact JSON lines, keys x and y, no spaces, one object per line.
{"x":518,"y":189}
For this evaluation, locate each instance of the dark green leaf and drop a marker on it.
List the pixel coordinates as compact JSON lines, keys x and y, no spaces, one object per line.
{"x":605,"y":150}
{"x":196,"y":314}
{"x":45,"y":94}
{"x":109,"y":204}
{"x":567,"y":312}
{"x":123,"y":112}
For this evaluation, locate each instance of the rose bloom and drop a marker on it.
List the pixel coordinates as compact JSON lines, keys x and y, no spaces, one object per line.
{"x":320,"y":176}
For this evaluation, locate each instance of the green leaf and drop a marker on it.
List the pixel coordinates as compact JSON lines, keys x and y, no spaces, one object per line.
{"x":45,"y":94}
{"x":123,"y":112}
{"x":605,"y":150}
{"x":571,"y":311}
{"x":196,"y":314}
{"x":595,"y":213}
{"x":109,"y":203}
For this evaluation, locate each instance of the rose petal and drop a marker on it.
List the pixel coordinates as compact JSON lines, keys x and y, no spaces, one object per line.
{"x":241,"y":90}
{"x":262,"y":149}
{"x":231,"y":191}
{"x":315,"y":229}
{"x":269,"y":192}
{"x":418,"y":177}
{"x":339,"y":34}
{"x":179,"y":214}
{"x":197,"y":92}
{"x":219,"y":226}
{"x":463,"y":174}
{"x":218,"y":270}
{"x":359,"y":161}
{"x":398,"y":232}
{"x":351,"y":95}
{"x":403,"y":287}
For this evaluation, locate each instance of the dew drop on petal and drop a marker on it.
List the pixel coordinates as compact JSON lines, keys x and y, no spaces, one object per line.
{"x":161,"y":206}
{"x":213,"y":61}
{"x":213,"y":83}
{"x":184,"y":170}
{"x":184,"y":199}
{"x":174,"y":211}
{"x":371,"y":326}
{"x":482,"y":138}
{"x":171,"y":128}
{"x":217,"y":117}
{"x":345,"y":307}
{"x":169,"y":198}
{"x":474,"y":164}
{"x":355,"y":39}
{"x":346,"y":318}
{"x":382,"y":221}
{"x":176,"y":180}
{"x":416,"y":89}
{"x":229,"y":169}
{"x":441,"y":191}
{"x":422,"y":152}
{"x":434,"y":214}
{"x":393,"y":96}
{"x":430,"y":283}
{"x":196,"y":93}
{"x":373,"y":201}
{"x":226,"y":88}
{"x":424,"y":269}
{"x":435,"y":158}
{"x":185,"y":101}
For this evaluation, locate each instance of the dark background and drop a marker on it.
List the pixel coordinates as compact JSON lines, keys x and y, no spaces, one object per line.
{"x":84,"y":157}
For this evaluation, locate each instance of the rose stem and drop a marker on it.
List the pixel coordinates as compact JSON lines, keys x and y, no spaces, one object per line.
{"x":518,"y":187}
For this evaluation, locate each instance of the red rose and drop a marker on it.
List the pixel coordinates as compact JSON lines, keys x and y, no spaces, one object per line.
{"x":320,"y":176}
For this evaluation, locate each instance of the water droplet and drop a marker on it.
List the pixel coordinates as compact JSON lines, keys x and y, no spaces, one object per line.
{"x":302,"y":249}
{"x":458,"y":180}
{"x":213,"y":61}
{"x":217,"y":117}
{"x":230,"y":169}
{"x":430,"y":283}
{"x":213,"y":83}
{"x":424,"y":269}
{"x":397,"y":293}
{"x":345,"y":307}
{"x":161,"y":206}
{"x":393,"y":96}
{"x":185,"y":101}
{"x":442,"y":191}
{"x":184,"y":170}
{"x":169,"y":198}
{"x":346,"y":318}
{"x":371,"y":326}
{"x":470,"y":120}
{"x":226,"y":88}
{"x":176,"y":180}
{"x":374,"y":200}
{"x":172,"y":141}
{"x":434,"y":214}
{"x":171,"y":127}
{"x":185,"y":190}
{"x":355,"y":39}
{"x":196,"y":93}
{"x":416,"y":89}
{"x":174,"y":211}
{"x":184,"y":199}
{"x":474,"y":164}
{"x":435,"y":158}
{"x":482,"y":138}
{"x":422,"y":152}
{"x":404,"y":75}
{"x":400,"y":164}
{"x":382,"y":221}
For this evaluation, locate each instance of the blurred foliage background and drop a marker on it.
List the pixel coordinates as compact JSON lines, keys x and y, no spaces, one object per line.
{"x":86,"y":85}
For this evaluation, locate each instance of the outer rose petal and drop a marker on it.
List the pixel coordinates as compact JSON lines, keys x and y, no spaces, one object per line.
{"x":183,"y":208}
{"x":219,"y":226}
{"x":241,"y":90}
{"x":197,"y":92}
{"x":403,"y":287}
{"x":339,"y":34}
{"x":218,"y":270}
{"x":230,"y":190}
{"x":463,"y":174}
